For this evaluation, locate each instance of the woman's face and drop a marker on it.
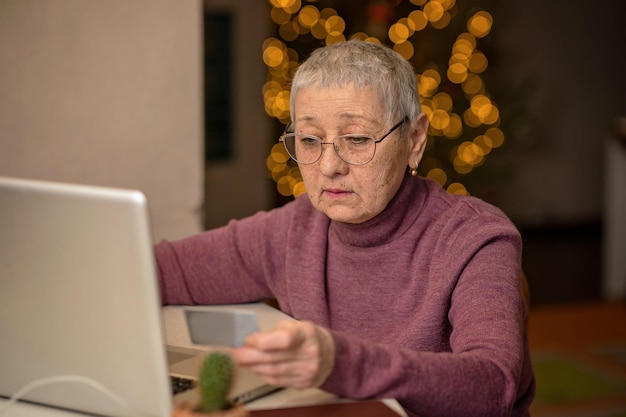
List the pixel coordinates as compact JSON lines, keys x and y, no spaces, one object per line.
{"x":349,"y":193}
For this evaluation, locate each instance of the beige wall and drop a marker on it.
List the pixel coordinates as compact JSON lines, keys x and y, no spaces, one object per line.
{"x":106,"y":93}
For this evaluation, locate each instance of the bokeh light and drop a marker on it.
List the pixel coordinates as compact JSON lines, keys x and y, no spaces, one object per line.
{"x":479,"y":24}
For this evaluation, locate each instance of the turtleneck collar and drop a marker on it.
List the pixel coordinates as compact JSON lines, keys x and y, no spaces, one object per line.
{"x":393,"y":221}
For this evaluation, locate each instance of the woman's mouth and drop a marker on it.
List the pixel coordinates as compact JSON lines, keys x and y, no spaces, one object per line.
{"x":336,"y":193}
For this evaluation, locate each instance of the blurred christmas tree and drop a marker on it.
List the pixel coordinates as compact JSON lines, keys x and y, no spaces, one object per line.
{"x":447,"y":42}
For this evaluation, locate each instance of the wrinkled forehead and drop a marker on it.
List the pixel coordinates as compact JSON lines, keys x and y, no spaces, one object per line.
{"x":340,"y":102}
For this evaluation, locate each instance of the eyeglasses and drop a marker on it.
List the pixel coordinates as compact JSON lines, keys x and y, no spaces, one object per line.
{"x":353,"y":149}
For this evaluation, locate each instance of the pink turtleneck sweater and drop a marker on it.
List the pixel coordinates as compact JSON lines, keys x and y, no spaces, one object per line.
{"x":423,"y":301}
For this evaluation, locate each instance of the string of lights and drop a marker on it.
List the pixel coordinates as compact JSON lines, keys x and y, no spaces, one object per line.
{"x":464,"y":119}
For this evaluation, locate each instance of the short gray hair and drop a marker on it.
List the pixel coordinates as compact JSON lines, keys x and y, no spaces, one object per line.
{"x":362,"y":64}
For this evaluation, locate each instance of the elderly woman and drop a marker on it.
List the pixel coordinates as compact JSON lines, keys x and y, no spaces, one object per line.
{"x":401,"y":289}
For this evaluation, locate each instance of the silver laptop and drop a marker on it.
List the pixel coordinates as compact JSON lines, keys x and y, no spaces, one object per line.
{"x":80,"y":314}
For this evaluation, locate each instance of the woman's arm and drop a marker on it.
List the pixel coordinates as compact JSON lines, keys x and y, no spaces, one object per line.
{"x":483,"y":371}
{"x":228,"y":265}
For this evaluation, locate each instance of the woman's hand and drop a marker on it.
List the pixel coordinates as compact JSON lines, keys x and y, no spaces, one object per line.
{"x":295,"y":354}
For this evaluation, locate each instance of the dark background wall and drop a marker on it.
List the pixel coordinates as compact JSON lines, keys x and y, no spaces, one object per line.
{"x":571,"y":57}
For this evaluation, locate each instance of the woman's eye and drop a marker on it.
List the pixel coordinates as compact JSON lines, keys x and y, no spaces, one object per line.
{"x":358,"y":140}
{"x":308,"y":140}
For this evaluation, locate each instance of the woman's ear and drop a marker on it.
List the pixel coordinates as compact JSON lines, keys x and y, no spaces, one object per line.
{"x":417,"y":138}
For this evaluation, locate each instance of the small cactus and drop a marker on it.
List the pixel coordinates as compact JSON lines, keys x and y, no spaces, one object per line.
{"x":215,"y":380}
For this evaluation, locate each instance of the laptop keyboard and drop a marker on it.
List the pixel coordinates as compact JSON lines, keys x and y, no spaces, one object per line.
{"x":181,"y":384}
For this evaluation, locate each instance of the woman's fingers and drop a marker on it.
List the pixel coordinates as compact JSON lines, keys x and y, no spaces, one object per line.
{"x":294,"y":354}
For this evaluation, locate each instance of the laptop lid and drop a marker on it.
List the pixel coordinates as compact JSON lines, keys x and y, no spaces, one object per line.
{"x":80,"y":321}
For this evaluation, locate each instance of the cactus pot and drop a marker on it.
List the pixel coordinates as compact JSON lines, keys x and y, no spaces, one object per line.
{"x":187,"y":411}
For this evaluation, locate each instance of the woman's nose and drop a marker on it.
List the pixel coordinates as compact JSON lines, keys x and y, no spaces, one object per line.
{"x":330,"y":163}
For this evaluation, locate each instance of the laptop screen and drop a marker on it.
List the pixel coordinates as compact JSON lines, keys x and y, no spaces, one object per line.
{"x":80,"y":320}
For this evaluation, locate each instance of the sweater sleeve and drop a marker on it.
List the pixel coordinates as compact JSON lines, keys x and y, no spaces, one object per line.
{"x":485,"y":368}
{"x":227,"y":265}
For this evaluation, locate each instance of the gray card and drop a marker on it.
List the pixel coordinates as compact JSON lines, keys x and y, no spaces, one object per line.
{"x":220,"y":327}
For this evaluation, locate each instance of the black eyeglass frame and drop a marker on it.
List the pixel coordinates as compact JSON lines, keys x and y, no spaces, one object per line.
{"x":287,"y":132}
